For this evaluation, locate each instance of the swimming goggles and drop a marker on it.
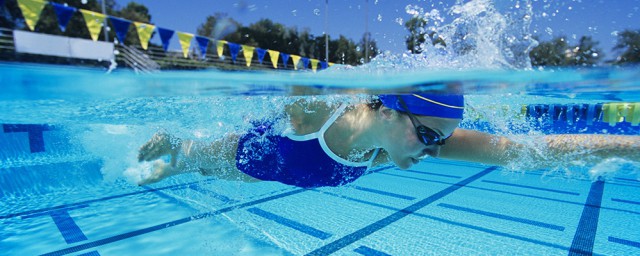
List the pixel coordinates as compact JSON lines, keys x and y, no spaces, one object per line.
{"x":425,"y":134}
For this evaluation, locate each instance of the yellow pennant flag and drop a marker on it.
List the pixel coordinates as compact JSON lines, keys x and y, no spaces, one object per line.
{"x":248,"y":53}
{"x":144,"y":33}
{"x":331,"y":64}
{"x":314,"y":64}
{"x":94,"y":21}
{"x":295,"y":59}
{"x":185,"y":42}
{"x":274,"y":55}
{"x":31,"y":10}
{"x":220,"y":47}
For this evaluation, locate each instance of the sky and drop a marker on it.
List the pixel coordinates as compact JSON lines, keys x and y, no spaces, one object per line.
{"x":384,"y":19}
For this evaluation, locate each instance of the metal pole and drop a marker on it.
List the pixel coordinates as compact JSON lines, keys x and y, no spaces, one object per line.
{"x":366,"y":32}
{"x":326,"y":31}
{"x":104,"y":11}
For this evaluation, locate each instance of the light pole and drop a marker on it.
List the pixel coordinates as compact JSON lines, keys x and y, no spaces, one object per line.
{"x":366,"y":32}
{"x":326,"y":32}
{"x":104,"y":12}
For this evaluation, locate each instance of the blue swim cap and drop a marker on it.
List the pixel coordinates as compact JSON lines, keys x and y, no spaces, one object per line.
{"x":437,"y":105}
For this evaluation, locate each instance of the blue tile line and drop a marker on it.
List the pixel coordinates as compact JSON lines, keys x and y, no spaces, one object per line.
{"x":290,"y":223}
{"x":169,"y":224}
{"x":171,"y":198}
{"x":48,"y":213}
{"x":513,"y":193}
{"x":433,"y":174}
{"x":384,"y":193}
{"x":67,"y":227}
{"x":503,"y":217}
{"x":624,"y":241}
{"x":532,"y":187}
{"x":369,"y":251}
{"x":470,"y":165}
{"x":210,"y":193}
{"x":93,"y":253}
{"x":481,"y":229}
{"x":625,"y":179}
{"x":35,"y":133}
{"x":373,"y":227}
{"x":181,"y":186}
{"x":624,"y":201}
{"x":184,"y":185}
{"x":585,"y":235}
{"x":65,"y":224}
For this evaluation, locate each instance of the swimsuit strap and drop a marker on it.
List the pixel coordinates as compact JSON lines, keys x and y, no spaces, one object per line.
{"x":330,"y":153}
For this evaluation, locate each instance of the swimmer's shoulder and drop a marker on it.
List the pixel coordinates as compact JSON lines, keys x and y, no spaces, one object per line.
{"x":308,"y":116}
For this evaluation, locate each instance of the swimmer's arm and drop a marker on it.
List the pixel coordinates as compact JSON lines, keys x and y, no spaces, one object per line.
{"x":542,"y":152}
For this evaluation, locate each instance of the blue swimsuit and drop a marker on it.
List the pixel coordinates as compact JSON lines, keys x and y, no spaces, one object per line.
{"x":299,"y":160}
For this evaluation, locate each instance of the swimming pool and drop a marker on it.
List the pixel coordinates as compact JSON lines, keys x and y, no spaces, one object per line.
{"x":68,"y":158}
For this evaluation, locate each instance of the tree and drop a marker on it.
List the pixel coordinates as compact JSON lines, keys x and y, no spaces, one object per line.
{"x":628,"y":47}
{"x":558,"y":52}
{"x":418,"y":36}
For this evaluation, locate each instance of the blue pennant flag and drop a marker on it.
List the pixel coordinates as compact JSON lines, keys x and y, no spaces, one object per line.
{"x":165,"y":36}
{"x":305,"y":62}
{"x":261,"y":53}
{"x":233,"y":50}
{"x":203,"y":42}
{"x":324,"y":65}
{"x":285,"y":59}
{"x":121,"y":26}
{"x":63,"y":13}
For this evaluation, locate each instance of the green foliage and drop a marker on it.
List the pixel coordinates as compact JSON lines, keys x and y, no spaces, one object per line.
{"x":418,"y":36}
{"x":267,"y":34}
{"x":558,"y":53}
{"x":628,"y":46}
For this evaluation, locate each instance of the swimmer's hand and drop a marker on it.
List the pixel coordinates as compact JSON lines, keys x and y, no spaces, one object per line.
{"x":161,"y":144}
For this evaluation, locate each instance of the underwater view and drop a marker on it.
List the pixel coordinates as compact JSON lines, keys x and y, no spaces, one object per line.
{"x":478,"y":129}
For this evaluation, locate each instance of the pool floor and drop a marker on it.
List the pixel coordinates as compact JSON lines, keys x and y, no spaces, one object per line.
{"x":437,"y":207}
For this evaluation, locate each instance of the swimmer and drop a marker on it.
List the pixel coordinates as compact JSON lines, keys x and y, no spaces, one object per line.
{"x":333,"y":146}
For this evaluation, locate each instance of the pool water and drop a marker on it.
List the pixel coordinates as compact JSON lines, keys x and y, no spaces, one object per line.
{"x":68,"y":169}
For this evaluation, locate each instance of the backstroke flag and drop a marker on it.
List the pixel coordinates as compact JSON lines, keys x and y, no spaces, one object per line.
{"x":295,"y":59}
{"x":63,"y":13}
{"x":185,"y":42}
{"x":285,"y":59}
{"x":247,"y":51}
{"x":314,"y":65}
{"x":203,"y":43}
{"x":261,"y":52}
{"x":220,"y":47}
{"x":234,"y":49}
{"x":31,"y":10}
{"x":165,"y":37}
{"x":274,"y":55}
{"x":145,"y":31}
{"x":121,"y":26}
{"x":94,"y":21}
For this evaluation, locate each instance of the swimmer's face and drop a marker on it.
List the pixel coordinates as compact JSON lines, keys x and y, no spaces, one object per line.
{"x":406,"y":149}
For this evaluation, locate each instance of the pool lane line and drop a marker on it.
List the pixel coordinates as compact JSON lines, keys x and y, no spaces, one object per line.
{"x":532,"y":187}
{"x":290,"y":223}
{"x":503,"y":217}
{"x":454,"y":223}
{"x":384,"y":193}
{"x":624,"y":241}
{"x":625,"y":201}
{"x":512,"y":193}
{"x":169,"y":224}
{"x":102,"y":199}
{"x":382,"y":223}
{"x":433,"y":174}
{"x":585,"y":235}
{"x":363,"y":250}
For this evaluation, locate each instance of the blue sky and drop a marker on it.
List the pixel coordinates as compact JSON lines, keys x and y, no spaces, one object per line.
{"x":573,"y":18}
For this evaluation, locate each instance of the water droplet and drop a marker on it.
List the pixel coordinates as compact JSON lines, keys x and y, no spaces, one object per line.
{"x":379,"y":17}
{"x":84,"y":1}
{"x":549,"y":30}
{"x":400,"y":21}
{"x":316,"y":12}
{"x":294,"y":12}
